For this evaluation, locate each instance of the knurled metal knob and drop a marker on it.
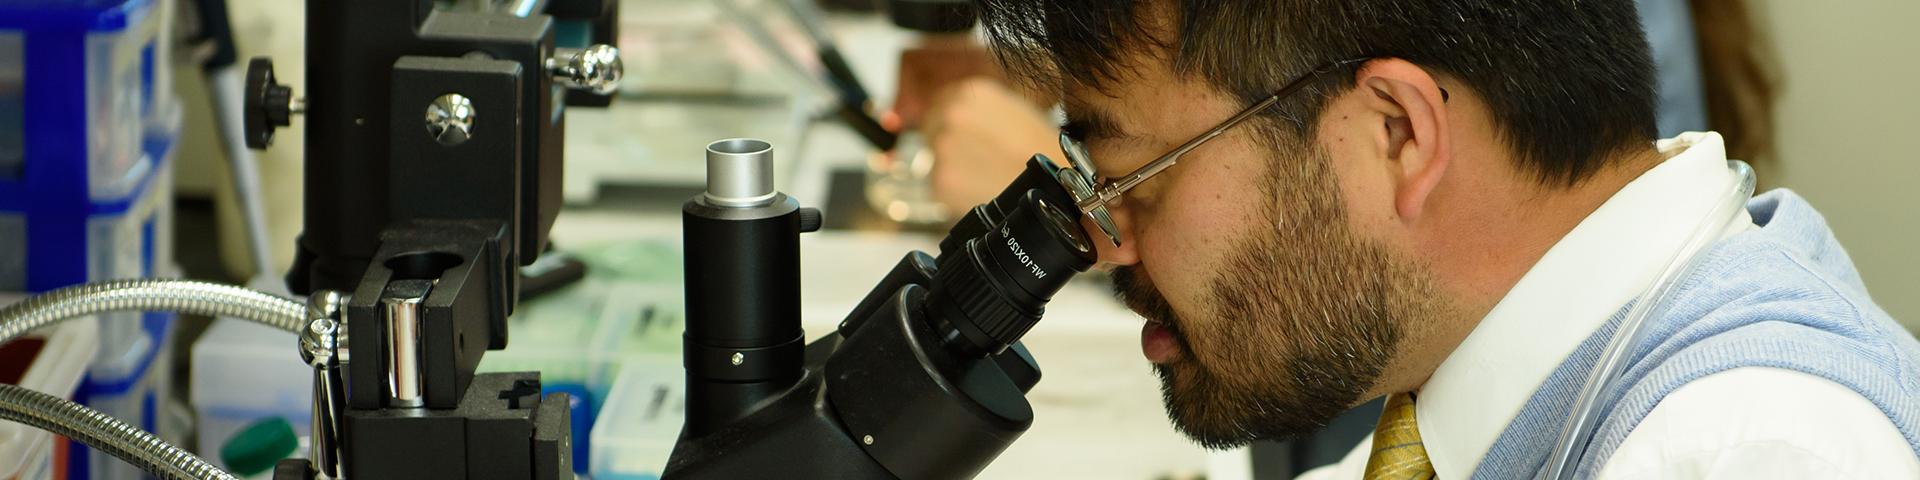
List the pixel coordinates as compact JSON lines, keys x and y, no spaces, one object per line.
{"x":595,"y":69}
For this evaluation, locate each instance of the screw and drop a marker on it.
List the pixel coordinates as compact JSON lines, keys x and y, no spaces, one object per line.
{"x":450,"y":119}
{"x":739,"y":358}
{"x":867,"y":439}
{"x":321,"y":326}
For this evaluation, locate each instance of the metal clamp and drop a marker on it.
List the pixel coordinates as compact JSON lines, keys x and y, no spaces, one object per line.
{"x":1079,"y":180}
{"x":321,"y":346}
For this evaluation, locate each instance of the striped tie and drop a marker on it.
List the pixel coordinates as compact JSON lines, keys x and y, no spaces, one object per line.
{"x":1397,"y":452}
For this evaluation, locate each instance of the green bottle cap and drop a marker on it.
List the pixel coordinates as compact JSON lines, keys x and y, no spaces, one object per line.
{"x":257,"y":447}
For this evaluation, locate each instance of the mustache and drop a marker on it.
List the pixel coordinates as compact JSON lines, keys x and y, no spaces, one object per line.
{"x":1134,"y":289}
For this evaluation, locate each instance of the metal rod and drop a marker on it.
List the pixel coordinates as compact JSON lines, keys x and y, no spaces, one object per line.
{"x":1127,"y":182}
{"x":401,"y":306}
{"x":1105,"y":194}
{"x":525,"y":8}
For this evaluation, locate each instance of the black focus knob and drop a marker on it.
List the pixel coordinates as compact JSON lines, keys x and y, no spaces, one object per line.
{"x":810,"y":219}
{"x":269,"y":105}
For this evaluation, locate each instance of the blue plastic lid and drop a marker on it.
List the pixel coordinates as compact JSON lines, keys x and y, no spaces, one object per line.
{"x":94,"y":15}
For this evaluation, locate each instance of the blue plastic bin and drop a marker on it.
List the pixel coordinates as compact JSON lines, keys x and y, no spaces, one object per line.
{"x":88,"y":120}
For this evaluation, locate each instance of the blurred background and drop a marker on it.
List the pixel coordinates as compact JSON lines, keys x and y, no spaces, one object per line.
{"x":1841,"y":134}
{"x":1817,"y":95}
{"x":1842,"y":140}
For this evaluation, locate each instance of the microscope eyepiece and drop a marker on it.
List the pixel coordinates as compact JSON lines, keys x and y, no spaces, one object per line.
{"x":986,"y":296}
{"x":739,"y":173}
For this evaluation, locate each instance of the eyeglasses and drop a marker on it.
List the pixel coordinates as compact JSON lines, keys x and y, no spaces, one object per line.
{"x":1093,"y":197}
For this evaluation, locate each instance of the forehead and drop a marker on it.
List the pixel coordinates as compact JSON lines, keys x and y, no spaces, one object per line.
{"x":1149,"y":107}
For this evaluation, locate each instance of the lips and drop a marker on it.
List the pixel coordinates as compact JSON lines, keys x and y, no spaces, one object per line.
{"x":1160,"y":337}
{"x":1158,"y":343}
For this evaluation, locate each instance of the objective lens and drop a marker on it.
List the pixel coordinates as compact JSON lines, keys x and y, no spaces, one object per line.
{"x":992,"y":291}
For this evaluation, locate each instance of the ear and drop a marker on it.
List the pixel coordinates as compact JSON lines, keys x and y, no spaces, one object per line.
{"x":1411,"y":135}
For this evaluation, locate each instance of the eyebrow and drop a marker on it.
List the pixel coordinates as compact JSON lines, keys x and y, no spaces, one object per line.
{"x":1088,"y":124}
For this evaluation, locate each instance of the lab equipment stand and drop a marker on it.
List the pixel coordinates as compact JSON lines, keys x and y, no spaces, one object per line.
{"x":433,"y":156}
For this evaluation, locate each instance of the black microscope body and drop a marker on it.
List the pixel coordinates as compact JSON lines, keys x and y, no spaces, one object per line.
{"x":925,"y":379}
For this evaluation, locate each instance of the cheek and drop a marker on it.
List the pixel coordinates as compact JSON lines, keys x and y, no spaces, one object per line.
{"x":1367,"y":188}
{"x":1194,"y":226}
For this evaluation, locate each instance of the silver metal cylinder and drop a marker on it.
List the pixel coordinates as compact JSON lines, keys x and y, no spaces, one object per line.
{"x":740,"y":173}
{"x":523,"y":8}
{"x":401,"y":306}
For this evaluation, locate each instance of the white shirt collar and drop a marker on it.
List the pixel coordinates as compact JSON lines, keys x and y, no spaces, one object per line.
{"x":1604,"y":262}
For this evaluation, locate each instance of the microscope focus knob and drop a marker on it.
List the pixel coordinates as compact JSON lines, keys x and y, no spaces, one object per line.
{"x":810,"y":219}
{"x":595,"y":69}
{"x":268,"y":104}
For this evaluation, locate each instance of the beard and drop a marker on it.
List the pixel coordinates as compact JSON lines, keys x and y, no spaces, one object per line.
{"x":1299,"y":321}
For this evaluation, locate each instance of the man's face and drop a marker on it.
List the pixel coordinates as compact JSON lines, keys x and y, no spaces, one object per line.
{"x":1267,"y":313}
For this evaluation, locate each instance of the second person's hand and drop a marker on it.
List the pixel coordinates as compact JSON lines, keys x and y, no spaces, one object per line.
{"x":981,"y":134}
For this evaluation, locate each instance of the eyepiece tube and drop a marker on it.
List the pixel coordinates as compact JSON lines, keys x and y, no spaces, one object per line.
{"x":1040,"y":175}
{"x":988,"y":294}
{"x":740,"y":173}
{"x":743,"y":339}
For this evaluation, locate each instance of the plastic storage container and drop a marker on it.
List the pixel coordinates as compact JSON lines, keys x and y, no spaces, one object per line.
{"x":581,"y":338}
{"x":639,"y":423}
{"x":129,"y":378}
{"x":87,"y":123}
{"x":244,"y":373}
{"x":574,"y":340}
{"x":50,"y":361}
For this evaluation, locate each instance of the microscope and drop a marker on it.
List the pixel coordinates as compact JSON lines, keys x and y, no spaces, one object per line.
{"x":925,"y":379}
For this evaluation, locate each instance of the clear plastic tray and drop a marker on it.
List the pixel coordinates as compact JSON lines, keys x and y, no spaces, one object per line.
{"x":639,"y":422}
{"x":27,"y":452}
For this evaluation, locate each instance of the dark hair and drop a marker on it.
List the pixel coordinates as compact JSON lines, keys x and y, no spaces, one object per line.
{"x":1569,"y":82}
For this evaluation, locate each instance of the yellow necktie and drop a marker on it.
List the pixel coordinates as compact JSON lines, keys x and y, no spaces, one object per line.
{"x":1397,"y":452}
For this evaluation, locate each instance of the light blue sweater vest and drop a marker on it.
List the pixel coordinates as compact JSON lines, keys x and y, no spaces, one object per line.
{"x":1783,"y":296}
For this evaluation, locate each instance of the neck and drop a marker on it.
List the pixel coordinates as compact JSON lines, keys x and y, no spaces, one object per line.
{"x":1500,"y":230}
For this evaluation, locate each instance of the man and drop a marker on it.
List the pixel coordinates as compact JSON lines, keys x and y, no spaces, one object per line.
{"x":1456,"y":208}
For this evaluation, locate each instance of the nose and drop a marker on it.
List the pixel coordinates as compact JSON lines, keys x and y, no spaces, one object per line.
{"x":1111,"y":256}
